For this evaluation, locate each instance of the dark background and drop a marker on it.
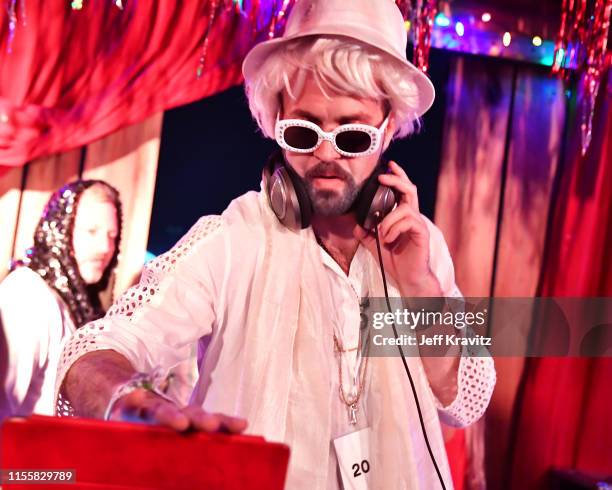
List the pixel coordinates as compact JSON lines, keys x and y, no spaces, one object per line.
{"x":212,"y":152}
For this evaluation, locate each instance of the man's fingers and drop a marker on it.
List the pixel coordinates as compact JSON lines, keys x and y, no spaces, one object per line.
{"x":234,"y":425}
{"x":201,"y":420}
{"x":144,"y":406}
{"x":409,"y":224}
{"x":168,"y":414}
{"x":129,"y":407}
{"x":400,"y":182}
{"x":134,"y":399}
{"x":404,"y":226}
{"x":398,"y":170}
{"x":401,"y":212}
{"x":213,"y":422}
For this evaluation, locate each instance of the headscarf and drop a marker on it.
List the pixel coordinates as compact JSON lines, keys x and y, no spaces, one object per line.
{"x":52,"y":255}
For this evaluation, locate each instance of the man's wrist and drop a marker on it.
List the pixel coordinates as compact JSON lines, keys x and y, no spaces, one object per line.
{"x":140,"y":381}
{"x":427,"y":287}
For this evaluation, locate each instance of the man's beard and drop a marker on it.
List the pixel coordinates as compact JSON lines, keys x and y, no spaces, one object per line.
{"x":327,"y":202}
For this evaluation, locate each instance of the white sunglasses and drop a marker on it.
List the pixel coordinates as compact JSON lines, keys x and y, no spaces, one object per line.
{"x":349,"y":140}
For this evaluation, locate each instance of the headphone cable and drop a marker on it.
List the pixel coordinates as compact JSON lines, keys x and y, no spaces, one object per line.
{"x":414,"y":393}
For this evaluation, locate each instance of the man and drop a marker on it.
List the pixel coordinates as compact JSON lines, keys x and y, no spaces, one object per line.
{"x":271,"y":289}
{"x":55,"y":291}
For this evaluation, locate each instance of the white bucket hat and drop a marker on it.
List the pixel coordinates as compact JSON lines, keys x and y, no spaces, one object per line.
{"x":378,"y":23}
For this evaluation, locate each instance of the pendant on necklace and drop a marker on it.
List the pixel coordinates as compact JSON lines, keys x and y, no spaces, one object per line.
{"x":352,"y":412}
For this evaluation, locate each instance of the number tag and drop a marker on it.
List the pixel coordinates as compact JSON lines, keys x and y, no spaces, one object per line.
{"x":353,"y":453}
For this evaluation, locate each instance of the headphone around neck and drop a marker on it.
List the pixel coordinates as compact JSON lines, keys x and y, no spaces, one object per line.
{"x":291,"y":204}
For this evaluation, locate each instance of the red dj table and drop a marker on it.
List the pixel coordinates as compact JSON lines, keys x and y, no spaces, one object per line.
{"x":48,"y":453}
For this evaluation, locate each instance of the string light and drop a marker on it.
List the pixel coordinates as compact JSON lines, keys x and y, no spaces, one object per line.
{"x":442,"y":20}
{"x":460,"y":29}
{"x":78,"y":4}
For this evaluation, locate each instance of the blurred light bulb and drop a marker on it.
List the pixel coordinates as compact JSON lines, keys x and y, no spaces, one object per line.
{"x":486,"y":17}
{"x":537,"y":41}
{"x":442,"y":20}
{"x":507,"y":39}
{"x":459,"y":28}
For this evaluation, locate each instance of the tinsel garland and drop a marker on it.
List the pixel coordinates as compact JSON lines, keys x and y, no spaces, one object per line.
{"x":252,"y":11}
{"x":12,"y":7}
{"x":421,"y":15}
{"x":582,"y":42}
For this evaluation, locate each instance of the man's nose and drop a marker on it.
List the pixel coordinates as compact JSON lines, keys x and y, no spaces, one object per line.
{"x":326,"y":151}
{"x":105,"y":245}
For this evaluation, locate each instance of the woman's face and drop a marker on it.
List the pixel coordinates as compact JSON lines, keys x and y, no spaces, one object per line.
{"x":94,"y":235}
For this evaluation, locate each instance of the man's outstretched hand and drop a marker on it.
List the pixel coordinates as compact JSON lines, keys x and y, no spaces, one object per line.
{"x":145,"y":406}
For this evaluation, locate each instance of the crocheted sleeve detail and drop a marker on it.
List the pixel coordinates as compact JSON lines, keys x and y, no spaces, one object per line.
{"x":475,"y":382}
{"x":128,"y":306}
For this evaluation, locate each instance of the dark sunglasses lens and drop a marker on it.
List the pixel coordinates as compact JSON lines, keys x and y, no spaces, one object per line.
{"x":301,"y":138}
{"x":353,"y":141}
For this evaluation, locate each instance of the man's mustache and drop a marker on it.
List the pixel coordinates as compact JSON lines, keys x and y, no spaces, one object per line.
{"x":328,"y":169}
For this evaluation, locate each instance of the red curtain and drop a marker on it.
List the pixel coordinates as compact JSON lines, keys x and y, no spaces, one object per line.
{"x":77,"y":75}
{"x":564,"y":417}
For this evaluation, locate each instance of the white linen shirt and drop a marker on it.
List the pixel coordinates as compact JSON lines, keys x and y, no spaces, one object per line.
{"x":348,"y":291}
{"x":34,"y":325}
{"x":257,"y":298}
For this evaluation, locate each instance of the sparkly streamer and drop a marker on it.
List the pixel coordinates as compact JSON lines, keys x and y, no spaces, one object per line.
{"x":404,"y":7}
{"x":211,"y":19}
{"x":595,"y":66}
{"x":253,"y":17}
{"x":423,"y":45}
{"x":278,"y":20}
{"x":11,"y":10}
{"x":582,"y":42}
{"x":420,"y":15}
{"x":12,"y":17}
{"x":22,"y":13}
{"x":559,"y":59}
{"x":250,"y":10}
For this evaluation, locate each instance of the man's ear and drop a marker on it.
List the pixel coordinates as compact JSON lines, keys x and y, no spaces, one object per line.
{"x":389,"y":132}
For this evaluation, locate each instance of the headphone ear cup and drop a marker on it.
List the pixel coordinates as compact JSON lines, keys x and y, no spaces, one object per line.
{"x":286,"y":193}
{"x":375,"y":201}
{"x":301,"y":194}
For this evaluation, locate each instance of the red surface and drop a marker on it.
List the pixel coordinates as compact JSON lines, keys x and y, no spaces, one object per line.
{"x":457,"y":458}
{"x":115,"y":455}
{"x":76,"y":76}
